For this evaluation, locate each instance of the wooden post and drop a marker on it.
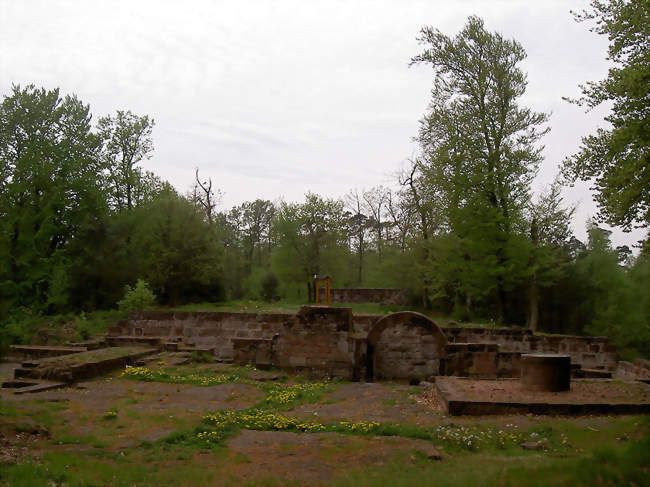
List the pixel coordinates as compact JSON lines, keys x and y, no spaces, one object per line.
{"x":316,"y":291}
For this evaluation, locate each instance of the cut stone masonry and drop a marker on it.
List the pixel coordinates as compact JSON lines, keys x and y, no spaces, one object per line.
{"x":332,"y":341}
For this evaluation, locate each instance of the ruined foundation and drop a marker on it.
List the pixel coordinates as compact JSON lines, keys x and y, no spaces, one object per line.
{"x":331,"y":341}
{"x":545,"y":372}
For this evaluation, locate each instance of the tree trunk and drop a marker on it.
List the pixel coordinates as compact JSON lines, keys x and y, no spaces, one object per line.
{"x":533,"y":318}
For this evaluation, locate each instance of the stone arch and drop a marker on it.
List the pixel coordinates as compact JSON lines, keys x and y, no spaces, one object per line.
{"x":404,"y":345}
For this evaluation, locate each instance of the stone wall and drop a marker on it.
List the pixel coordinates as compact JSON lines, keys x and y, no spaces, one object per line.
{"x":480,"y":361}
{"x":588,"y":352}
{"x":365,"y":295}
{"x":637,"y":370}
{"x":405,"y":345}
{"x":332,"y":341}
{"x":213,"y":330}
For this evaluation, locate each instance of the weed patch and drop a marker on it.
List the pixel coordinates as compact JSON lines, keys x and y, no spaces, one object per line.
{"x":164,"y":375}
{"x":280,"y":396}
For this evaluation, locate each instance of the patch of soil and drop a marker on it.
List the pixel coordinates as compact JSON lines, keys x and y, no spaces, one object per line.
{"x":316,"y":457}
{"x":582,"y":392}
{"x":222,"y":396}
{"x":372,"y":401}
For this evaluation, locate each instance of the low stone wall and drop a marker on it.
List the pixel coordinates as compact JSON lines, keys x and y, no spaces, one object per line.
{"x":480,"y":361}
{"x":588,"y":352}
{"x":213,"y":330}
{"x":366,"y":295}
{"x":637,"y":370}
{"x":333,"y":341}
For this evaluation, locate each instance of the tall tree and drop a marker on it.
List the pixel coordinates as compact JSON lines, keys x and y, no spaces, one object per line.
{"x":479,"y":143}
{"x":311,"y":239}
{"x":358,"y":227}
{"x":127,"y":142}
{"x":550,"y":231}
{"x":50,"y":191}
{"x":617,"y":159}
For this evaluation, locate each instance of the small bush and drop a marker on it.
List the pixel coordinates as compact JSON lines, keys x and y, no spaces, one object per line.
{"x":137,"y":298}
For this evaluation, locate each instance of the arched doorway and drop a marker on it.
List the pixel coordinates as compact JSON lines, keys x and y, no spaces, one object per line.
{"x":404,"y":345}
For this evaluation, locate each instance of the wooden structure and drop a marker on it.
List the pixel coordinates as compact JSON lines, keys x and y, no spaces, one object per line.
{"x":327,"y":280}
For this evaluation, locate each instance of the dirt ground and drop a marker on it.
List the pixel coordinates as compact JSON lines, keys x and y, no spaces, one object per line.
{"x":73,"y":420}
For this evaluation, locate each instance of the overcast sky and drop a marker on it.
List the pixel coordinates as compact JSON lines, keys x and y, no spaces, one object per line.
{"x":272,"y":99}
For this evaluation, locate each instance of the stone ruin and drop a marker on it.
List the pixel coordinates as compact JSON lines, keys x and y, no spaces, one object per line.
{"x":388,"y":296}
{"x":476,"y":371}
{"x":332,"y":341}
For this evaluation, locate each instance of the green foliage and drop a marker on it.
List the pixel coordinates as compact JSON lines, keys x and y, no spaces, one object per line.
{"x":50,"y":190}
{"x":137,"y":298}
{"x":479,"y":156}
{"x":617,"y":159}
{"x":198,"y":378}
{"x":176,"y":250}
{"x":269,"y":286}
{"x":127,"y":141}
{"x":618,"y":302}
{"x":311,"y":240}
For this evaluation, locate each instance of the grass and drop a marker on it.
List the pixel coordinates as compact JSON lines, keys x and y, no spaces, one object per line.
{"x":283,"y":397}
{"x":176,"y":376}
{"x":252,"y":306}
{"x":484,"y":454}
{"x":610,"y":466}
{"x":7,"y":409}
{"x":614,"y":465}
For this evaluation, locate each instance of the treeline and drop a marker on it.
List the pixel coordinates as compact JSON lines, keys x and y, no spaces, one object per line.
{"x":80,"y":220}
{"x":461,"y":230}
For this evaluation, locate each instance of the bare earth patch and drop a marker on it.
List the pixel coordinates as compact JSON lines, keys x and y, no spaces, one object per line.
{"x":382,"y":402}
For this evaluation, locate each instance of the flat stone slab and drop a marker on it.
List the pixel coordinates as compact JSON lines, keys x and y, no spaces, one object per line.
{"x":39,"y":387}
{"x":38,"y":351}
{"x":84,"y":365}
{"x":461,"y":396}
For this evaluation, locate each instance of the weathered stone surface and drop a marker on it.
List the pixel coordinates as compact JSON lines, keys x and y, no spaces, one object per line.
{"x":398,"y":349}
{"x":533,"y":445}
{"x":545,"y":372}
{"x":328,"y":340}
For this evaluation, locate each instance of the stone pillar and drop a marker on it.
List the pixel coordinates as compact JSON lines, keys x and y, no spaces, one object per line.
{"x":545,"y":372}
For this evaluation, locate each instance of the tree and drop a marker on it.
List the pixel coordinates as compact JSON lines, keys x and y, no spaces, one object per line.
{"x":204,"y":196}
{"x":177,"y":251}
{"x":127,"y":142}
{"x":617,"y":159}
{"x":550,"y":231}
{"x":376,"y":200}
{"x":311,"y":239}
{"x":50,"y":192}
{"x":479,"y":150}
{"x":358,"y":226}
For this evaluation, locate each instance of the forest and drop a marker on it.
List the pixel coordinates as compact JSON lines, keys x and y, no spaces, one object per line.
{"x":460,"y":229}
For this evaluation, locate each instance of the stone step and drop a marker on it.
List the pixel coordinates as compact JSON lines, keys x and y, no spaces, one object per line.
{"x":40,"y":387}
{"x":28,"y":387}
